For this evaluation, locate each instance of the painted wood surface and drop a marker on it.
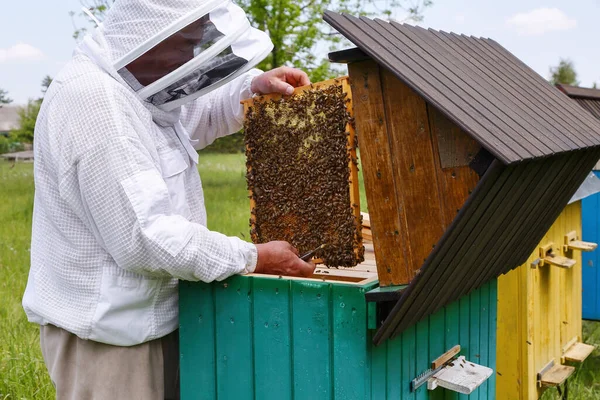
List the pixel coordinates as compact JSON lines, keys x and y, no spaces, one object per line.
{"x":266,"y":338}
{"x":539,"y":313}
{"x":590,"y":216}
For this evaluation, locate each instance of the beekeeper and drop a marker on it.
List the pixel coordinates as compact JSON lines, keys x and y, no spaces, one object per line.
{"x":119,"y":212}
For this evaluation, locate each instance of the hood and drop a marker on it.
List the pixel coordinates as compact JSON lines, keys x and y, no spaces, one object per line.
{"x":224,"y":46}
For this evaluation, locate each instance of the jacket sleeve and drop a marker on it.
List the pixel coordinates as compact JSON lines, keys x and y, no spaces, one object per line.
{"x":128,"y":207}
{"x":218,"y":113}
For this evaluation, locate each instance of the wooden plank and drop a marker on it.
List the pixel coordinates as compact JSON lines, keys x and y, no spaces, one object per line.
{"x":444,"y":358}
{"x":394,"y":370}
{"x":492,"y":337}
{"x":578,"y":352}
{"x":455,"y":148}
{"x":311,"y":341}
{"x":351,"y":146}
{"x":415,"y":171}
{"x":350,"y":354}
{"x":582,"y":246}
{"x":456,"y":183}
{"x":461,"y":376}
{"x":557,"y":375}
{"x":559,"y":261}
{"x":379,"y":356}
{"x":197,"y":320}
{"x":234,"y":343}
{"x":272,"y":330}
{"x":591,"y":262}
{"x":385,"y":212}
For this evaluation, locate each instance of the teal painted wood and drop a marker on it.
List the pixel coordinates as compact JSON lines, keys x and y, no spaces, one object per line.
{"x":196,"y":328}
{"x":271,"y":332}
{"x":263,"y":338}
{"x":492,"y":318}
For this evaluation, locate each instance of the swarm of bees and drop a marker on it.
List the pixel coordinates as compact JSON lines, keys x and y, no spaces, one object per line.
{"x":298,"y":174}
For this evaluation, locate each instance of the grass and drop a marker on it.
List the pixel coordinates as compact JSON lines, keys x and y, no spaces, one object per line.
{"x":22,"y":371}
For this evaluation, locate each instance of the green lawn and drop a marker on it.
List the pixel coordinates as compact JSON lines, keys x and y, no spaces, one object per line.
{"x":22,"y":371}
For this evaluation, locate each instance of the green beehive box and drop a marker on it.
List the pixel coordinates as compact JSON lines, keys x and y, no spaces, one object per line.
{"x":258,"y":337}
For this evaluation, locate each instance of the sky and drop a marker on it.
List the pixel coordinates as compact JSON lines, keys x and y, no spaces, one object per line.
{"x":36,"y":35}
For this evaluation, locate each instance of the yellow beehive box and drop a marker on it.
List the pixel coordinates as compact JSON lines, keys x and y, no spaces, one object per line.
{"x":539,"y":314}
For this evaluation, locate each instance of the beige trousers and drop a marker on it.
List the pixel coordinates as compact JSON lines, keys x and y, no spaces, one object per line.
{"x":82,"y":369}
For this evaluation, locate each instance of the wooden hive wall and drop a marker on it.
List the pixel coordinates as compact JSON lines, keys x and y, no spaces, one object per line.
{"x":268,"y":338}
{"x":591,"y":261}
{"x":415,"y":169}
{"x":539,"y":313}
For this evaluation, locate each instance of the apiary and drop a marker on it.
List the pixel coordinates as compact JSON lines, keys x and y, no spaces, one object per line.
{"x":464,"y":170}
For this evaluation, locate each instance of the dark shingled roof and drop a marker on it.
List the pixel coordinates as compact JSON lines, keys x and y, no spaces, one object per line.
{"x":502,"y":103}
{"x":587,"y":98}
{"x":544,"y":144}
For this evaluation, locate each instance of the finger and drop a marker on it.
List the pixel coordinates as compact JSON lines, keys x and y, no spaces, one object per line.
{"x":295,"y":77}
{"x":294,"y":250}
{"x":299,"y":77}
{"x":306,"y":269}
{"x":277,"y":85}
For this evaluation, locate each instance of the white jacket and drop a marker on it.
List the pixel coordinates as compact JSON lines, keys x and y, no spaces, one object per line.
{"x":119,"y":211}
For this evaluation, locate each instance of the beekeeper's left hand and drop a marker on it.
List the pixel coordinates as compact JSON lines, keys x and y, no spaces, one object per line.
{"x":279,"y":80}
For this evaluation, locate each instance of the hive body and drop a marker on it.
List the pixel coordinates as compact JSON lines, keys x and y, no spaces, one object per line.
{"x":269,"y":338}
{"x":591,"y":261}
{"x":539,"y":314}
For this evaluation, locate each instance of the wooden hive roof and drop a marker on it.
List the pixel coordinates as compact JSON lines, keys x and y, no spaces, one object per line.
{"x":497,"y":99}
{"x":543,"y":143}
{"x":587,"y":98}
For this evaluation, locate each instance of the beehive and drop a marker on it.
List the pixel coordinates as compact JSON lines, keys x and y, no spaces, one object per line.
{"x":589,"y":99}
{"x":539,"y":316}
{"x":590,"y":215}
{"x":260,"y":337}
{"x":463,"y":177}
{"x":302,"y":172}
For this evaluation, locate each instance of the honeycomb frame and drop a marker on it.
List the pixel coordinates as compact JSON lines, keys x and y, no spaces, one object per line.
{"x":333,"y":256}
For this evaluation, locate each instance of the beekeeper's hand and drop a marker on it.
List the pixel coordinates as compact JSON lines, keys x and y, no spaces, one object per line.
{"x":279,"y":80}
{"x":281,"y":258}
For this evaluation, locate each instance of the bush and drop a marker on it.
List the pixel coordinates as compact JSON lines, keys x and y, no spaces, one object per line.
{"x":227,"y":145}
{"x":8,"y":144}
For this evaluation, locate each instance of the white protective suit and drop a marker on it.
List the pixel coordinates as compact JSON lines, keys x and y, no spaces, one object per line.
{"x":119,"y":212}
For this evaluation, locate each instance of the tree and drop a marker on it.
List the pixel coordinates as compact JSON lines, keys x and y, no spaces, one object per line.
{"x":27,"y":118}
{"x":4,"y":99}
{"x":564,"y":73}
{"x":46,"y":82}
{"x":28,"y":115}
{"x":296,"y":26}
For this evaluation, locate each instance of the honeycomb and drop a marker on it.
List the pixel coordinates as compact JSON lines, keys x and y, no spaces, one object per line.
{"x":299,"y":164}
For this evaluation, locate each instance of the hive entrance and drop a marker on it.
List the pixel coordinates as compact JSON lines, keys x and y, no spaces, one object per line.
{"x":302,"y":173}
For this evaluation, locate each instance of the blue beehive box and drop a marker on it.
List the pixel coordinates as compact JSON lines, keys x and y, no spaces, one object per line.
{"x":590,"y":215}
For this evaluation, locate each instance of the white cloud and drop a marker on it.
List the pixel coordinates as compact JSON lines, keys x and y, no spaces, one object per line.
{"x":20,"y":52}
{"x":541,"y":20}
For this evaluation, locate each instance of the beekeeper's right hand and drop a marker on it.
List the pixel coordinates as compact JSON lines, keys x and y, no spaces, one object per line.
{"x":281,"y":258}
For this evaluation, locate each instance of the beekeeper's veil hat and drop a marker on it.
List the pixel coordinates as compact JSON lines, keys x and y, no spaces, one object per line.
{"x":215,"y":35}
